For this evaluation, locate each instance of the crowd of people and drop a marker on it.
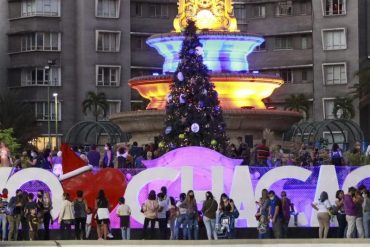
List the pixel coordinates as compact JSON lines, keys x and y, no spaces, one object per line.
{"x":24,"y":217}
{"x":352,"y":211}
{"x":129,"y":156}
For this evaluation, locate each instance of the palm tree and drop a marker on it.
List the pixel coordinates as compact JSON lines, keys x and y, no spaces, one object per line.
{"x":299,"y":103}
{"x":97,"y":104}
{"x":343,"y":108}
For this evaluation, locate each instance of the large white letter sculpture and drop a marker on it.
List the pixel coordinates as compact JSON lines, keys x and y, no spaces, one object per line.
{"x":139,"y":181}
{"x":30,"y":174}
{"x":243,"y":196}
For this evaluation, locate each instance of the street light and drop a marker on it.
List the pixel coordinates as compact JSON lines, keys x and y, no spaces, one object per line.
{"x":55,"y":95}
{"x":48,"y":69}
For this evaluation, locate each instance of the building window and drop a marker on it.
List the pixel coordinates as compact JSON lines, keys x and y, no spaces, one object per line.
{"x":328,"y":106}
{"x":108,"y":75}
{"x":334,"y":39}
{"x":40,"y":8}
{"x":136,"y":9}
{"x":284,"y":8}
{"x":114,"y":106}
{"x":261,"y":47}
{"x":139,"y":42}
{"x":41,"y":111}
{"x":284,"y":42}
{"x":107,"y":8}
{"x":258,"y":11}
{"x":335,"y":74}
{"x":158,"y":10}
{"x":304,"y":8}
{"x":304,"y":75}
{"x":41,"y":77}
{"x":40,"y":42}
{"x":334,"y":7}
{"x":240,"y":13}
{"x":286,"y":75}
{"x":108,"y":41}
{"x":305,"y":42}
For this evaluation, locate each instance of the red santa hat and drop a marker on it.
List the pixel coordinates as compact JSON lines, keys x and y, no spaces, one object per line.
{"x":72,"y":164}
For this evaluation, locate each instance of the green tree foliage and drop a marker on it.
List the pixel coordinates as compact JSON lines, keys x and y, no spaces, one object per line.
{"x":96,"y":103}
{"x":6,"y":136}
{"x":298,"y":103}
{"x":193,"y":113}
{"x":19,"y":116}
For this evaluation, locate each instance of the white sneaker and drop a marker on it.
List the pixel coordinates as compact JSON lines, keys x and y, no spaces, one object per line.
{"x":110,"y":235}
{"x":99,"y":239}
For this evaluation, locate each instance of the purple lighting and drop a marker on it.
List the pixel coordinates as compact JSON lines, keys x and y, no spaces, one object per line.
{"x":222,"y":52}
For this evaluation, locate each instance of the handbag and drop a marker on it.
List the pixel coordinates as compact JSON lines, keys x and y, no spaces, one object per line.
{"x":236,"y":213}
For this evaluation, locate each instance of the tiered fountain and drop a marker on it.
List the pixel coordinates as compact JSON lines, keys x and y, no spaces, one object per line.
{"x":241,"y":93}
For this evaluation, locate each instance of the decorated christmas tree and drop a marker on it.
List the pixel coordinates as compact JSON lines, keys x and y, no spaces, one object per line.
{"x":193,"y":113}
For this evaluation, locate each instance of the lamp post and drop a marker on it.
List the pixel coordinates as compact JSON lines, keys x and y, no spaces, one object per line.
{"x":55,"y":95}
{"x":48,"y":69}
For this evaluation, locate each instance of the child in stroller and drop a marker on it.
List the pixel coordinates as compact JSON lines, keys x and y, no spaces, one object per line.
{"x":224,"y":226}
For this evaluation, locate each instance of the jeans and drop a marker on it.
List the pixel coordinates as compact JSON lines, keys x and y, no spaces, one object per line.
{"x":47,"y":219}
{"x":173,"y":229}
{"x":285,"y":227}
{"x":193,"y":226}
{"x":3,"y":224}
{"x":146,"y":224}
{"x":80,"y":228}
{"x":163,"y":228}
{"x":366,"y":219}
{"x":342,"y":224}
{"x":125,"y":232}
{"x":354,"y":223}
{"x":210,"y":227}
{"x":65,"y":227}
{"x":14,"y":222}
{"x":277,"y":228}
{"x":25,"y":228}
{"x":181,"y":220}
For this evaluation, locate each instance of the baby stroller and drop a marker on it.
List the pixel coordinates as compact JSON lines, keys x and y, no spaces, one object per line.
{"x":223,"y":228}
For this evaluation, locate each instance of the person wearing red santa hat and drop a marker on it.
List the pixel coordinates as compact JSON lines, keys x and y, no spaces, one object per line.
{"x":3,"y":207}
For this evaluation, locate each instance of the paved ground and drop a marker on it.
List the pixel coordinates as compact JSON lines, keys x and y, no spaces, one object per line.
{"x":219,"y":243}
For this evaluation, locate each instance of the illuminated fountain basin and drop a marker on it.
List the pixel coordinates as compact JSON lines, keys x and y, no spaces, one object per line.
{"x":224,"y":52}
{"x":225,"y":55}
{"x":234,"y":90}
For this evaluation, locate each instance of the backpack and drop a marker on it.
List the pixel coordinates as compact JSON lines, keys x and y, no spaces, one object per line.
{"x":236,"y":213}
{"x":79,"y":209}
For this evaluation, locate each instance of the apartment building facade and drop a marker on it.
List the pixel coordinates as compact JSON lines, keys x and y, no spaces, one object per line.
{"x":316,"y":46}
{"x":66,"y":47}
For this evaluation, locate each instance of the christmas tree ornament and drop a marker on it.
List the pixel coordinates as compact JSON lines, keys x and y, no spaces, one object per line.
{"x":199,"y":51}
{"x":195,"y":128}
{"x":168,"y":130}
{"x":161,"y":144}
{"x":193,"y":112}
{"x":180,"y":76}
{"x":182,"y":98}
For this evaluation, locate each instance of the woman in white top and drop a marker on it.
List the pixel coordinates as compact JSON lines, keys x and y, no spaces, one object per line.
{"x":66,"y":216}
{"x":323,"y":206}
